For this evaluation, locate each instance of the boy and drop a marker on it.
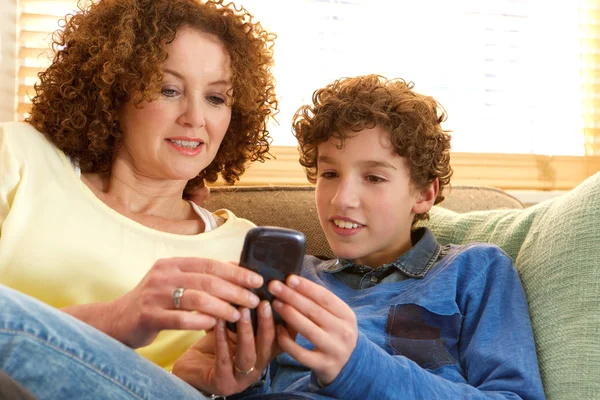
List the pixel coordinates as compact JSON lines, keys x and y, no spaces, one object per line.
{"x":396,"y":315}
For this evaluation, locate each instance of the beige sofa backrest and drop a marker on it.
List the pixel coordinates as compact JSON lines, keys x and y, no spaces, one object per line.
{"x":294,"y":207}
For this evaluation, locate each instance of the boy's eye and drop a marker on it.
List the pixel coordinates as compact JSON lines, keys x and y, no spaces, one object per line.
{"x":374,"y":179}
{"x":167,"y":92}
{"x":328,"y":175}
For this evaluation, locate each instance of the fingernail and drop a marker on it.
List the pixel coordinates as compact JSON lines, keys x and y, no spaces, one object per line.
{"x":293,"y":281}
{"x":254,"y":300}
{"x":255,"y":280}
{"x":275,"y":287}
{"x":266,"y":310}
{"x":236,"y":315}
{"x":245,"y":315}
{"x":221,"y":324}
{"x":213,"y":322}
{"x":277,"y":304}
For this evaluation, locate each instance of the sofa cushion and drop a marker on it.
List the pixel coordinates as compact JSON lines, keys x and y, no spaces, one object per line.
{"x":556,"y":249}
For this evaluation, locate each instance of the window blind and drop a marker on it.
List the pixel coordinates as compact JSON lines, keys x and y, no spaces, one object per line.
{"x":37,"y":20}
{"x":589,"y":20}
{"x":516,"y":76}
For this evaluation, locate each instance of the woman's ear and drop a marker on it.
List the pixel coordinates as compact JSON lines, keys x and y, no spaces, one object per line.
{"x":426,"y":197}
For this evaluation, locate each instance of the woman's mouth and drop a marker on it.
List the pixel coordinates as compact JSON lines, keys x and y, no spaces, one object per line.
{"x":190,"y":144}
{"x":187,"y":147}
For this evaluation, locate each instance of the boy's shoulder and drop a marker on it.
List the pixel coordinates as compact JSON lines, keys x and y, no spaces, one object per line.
{"x":477,"y":258}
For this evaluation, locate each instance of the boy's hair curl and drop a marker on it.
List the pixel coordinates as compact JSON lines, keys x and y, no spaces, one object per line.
{"x":112,"y":52}
{"x":352,"y":104}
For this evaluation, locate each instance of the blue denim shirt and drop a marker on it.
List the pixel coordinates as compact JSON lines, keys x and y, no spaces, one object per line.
{"x":457,"y":327}
{"x":415,"y":263}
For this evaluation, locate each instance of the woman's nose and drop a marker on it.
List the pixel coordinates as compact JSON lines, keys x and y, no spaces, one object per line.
{"x":193,"y":115}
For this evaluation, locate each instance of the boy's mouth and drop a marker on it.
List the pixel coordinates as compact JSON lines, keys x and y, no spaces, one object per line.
{"x":344,"y":224}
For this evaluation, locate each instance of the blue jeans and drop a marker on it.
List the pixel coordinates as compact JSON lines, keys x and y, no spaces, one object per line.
{"x":56,"y":356}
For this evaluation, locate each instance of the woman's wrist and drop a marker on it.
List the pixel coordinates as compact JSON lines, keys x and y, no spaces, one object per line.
{"x":100,"y":316}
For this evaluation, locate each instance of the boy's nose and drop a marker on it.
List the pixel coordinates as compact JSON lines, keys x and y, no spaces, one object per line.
{"x":346,"y":195}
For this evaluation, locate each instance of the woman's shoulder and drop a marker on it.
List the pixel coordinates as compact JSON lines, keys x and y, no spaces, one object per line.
{"x":23,"y":137}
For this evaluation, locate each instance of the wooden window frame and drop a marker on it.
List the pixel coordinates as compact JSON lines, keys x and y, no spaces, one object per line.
{"x":504,"y":171}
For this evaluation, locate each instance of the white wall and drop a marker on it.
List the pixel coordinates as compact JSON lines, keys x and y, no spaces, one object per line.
{"x":8,"y":62}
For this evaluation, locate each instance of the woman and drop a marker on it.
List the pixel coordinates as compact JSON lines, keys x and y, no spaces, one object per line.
{"x":145,"y":101}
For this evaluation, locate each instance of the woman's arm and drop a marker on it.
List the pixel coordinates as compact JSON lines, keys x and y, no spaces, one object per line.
{"x":211,"y":287}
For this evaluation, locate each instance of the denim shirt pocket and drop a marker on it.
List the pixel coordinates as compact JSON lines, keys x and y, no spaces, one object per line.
{"x":422,"y":336}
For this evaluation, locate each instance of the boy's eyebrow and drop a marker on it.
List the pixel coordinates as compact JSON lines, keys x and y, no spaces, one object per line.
{"x":325,"y":159}
{"x":377,"y":164}
{"x":224,"y":82}
{"x":367,"y":163}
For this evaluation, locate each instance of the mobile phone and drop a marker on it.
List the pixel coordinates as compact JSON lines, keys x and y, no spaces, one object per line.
{"x":274,"y":253}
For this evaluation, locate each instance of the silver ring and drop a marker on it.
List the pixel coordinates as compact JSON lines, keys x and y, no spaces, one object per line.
{"x":242,"y":372}
{"x":177,"y":295}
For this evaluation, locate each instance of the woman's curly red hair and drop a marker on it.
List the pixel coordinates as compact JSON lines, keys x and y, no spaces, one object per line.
{"x":112,"y":52}
{"x":353,"y":104}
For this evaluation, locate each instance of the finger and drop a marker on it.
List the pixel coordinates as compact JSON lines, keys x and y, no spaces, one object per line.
{"x":178,"y":320}
{"x":224,"y":270}
{"x":311,"y":310}
{"x":319,"y":295}
{"x":245,"y":356}
{"x":224,"y":362}
{"x":308,"y":358}
{"x":205,"y":303}
{"x":266,"y":336}
{"x":220,"y":288}
{"x":321,"y":338}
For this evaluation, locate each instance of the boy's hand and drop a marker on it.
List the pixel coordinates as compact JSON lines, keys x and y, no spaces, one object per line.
{"x":225,"y":363}
{"x":322,"y":318}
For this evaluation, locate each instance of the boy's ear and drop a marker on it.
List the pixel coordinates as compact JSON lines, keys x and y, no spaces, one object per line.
{"x":427,"y":197}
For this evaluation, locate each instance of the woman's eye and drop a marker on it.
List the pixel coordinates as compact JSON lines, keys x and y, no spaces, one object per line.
{"x":169,"y":92}
{"x":217,"y":100}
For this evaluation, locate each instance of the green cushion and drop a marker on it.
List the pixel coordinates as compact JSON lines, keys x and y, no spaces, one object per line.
{"x":556,"y":249}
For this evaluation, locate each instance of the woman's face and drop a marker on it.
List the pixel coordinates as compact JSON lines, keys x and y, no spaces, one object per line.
{"x":177,"y":135}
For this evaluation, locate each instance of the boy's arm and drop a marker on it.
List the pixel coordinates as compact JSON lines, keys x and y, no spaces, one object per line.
{"x":496,"y":346}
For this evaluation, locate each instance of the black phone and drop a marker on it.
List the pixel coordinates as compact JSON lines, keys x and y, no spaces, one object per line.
{"x":274,"y":253}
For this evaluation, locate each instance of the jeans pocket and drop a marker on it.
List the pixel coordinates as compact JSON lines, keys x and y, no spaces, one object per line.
{"x":421,"y":335}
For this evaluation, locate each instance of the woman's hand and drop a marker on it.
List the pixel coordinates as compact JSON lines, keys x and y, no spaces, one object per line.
{"x":225,"y":363}
{"x":322,"y":318}
{"x":210,"y":288}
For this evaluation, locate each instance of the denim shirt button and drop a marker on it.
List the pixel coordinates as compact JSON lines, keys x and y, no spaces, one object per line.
{"x":374,"y":279}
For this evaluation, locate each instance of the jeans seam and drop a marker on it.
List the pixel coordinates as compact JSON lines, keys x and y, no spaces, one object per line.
{"x":75,"y":358}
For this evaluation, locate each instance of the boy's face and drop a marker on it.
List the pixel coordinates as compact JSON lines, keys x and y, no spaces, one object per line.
{"x":365,"y":198}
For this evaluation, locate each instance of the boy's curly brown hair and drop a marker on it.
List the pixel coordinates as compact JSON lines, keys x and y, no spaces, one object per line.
{"x":353,"y":104}
{"x":112,"y":52}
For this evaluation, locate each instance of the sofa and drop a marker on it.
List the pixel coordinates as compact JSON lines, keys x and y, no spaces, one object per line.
{"x":554,"y":245}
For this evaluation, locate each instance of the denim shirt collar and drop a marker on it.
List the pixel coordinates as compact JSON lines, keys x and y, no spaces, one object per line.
{"x":414,"y":263}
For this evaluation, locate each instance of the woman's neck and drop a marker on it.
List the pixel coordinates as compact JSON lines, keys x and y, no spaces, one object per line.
{"x":135,"y":193}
